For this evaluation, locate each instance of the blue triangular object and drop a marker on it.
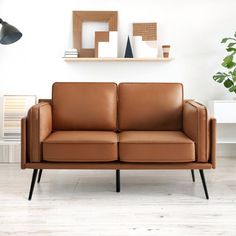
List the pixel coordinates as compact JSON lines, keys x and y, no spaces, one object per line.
{"x":128,"y":51}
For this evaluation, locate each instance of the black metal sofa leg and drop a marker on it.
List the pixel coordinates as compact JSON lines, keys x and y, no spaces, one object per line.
{"x":204,"y":183}
{"x":117,"y":181}
{"x":40,"y":174}
{"x":193,"y":175}
{"x":34,"y":176}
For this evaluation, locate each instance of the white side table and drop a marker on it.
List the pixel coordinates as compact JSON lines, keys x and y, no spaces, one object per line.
{"x":225,"y":113}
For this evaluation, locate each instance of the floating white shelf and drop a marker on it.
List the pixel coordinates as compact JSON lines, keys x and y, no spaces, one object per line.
{"x":158,"y":59}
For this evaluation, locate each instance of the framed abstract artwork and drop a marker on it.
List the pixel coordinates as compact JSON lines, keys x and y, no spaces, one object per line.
{"x":79,"y":17}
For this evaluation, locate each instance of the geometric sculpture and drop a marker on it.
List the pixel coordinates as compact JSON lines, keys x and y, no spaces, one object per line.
{"x":144,"y":49}
{"x":148,"y":31}
{"x":100,"y":36}
{"x":145,"y":40}
{"x":106,"y":44}
{"x":128,"y":51}
{"x":84,"y":16}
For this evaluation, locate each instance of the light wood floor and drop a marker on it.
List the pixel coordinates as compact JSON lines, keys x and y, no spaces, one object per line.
{"x":150,"y":203}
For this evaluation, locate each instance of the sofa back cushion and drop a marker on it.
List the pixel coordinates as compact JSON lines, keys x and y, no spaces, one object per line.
{"x":150,"y":106}
{"x":84,"y":106}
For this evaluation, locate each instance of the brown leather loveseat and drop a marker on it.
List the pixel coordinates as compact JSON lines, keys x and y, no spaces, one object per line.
{"x":125,"y":126}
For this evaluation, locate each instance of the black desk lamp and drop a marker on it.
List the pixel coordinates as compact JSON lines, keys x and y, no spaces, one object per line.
{"x":9,"y":34}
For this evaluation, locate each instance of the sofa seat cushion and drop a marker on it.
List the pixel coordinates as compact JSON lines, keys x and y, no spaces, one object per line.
{"x":80,"y":146}
{"x":155,"y":146}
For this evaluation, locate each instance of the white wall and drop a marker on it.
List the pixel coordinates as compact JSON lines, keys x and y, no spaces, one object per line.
{"x":193,"y":28}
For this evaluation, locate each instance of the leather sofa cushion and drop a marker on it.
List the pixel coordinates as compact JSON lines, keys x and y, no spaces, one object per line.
{"x":150,"y":106}
{"x":155,"y":146}
{"x":84,"y":106}
{"x":81,"y":146}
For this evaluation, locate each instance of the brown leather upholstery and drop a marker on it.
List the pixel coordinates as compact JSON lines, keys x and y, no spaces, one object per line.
{"x":158,"y":131}
{"x":150,"y":106}
{"x":155,"y":146}
{"x":113,"y":165}
{"x":39,"y":126}
{"x":212,"y":128}
{"x":80,"y":146}
{"x":195,"y":126}
{"x":23,"y":142}
{"x":84,"y":106}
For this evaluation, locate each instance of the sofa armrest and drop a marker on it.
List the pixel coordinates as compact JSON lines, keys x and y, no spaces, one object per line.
{"x":23,"y":143}
{"x":39,"y":126}
{"x":213,"y":142}
{"x":196,"y":127}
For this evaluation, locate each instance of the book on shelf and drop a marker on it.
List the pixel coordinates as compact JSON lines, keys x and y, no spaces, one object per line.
{"x":71,"y":50}
{"x":71,"y":53}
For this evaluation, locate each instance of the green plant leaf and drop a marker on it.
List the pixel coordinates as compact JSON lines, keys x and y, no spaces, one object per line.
{"x":220,"y":77}
{"x":228,"y":83}
{"x":224,"y":64}
{"x":222,"y":73}
{"x":231,"y":65}
{"x":228,"y":62}
{"x":229,"y":58}
{"x":220,"y":80}
{"x":231,"y":45}
{"x":224,"y":40}
{"x":232,"y":89}
{"x":231,"y":49}
{"x":234,"y":72}
{"x":228,"y":78}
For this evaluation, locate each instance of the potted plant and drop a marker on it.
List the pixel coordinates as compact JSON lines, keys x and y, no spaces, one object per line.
{"x":228,"y":78}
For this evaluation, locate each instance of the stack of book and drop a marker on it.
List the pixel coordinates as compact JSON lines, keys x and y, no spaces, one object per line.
{"x":71,"y":53}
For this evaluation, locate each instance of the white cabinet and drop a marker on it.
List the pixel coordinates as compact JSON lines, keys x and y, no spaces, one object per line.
{"x":223,"y":110}
{"x":225,"y":113}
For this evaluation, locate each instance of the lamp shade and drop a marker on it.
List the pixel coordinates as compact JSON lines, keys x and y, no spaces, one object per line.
{"x":9,"y":34}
